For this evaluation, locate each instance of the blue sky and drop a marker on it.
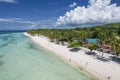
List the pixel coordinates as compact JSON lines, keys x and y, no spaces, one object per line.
{"x":28,"y":14}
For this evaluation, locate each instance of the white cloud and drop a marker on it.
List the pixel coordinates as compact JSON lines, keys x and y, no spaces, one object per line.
{"x":8,"y":1}
{"x":30,"y":24}
{"x":19,"y":20}
{"x":98,"y":11}
{"x":9,"y":19}
{"x":50,"y":23}
{"x":74,"y":4}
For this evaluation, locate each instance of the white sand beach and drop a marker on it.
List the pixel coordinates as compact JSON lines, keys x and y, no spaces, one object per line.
{"x":100,"y":69}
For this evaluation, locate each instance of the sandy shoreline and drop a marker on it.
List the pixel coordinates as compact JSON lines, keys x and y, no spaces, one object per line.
{"x":101,"y":70}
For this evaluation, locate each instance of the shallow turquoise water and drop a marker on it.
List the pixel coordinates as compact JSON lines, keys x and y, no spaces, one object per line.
{"x":20,"y":59}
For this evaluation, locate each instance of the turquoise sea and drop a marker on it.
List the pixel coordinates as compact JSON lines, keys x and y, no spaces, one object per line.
{"x":21,"y":59}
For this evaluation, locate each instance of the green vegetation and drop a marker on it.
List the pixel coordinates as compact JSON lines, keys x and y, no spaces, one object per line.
{"x":75,"y":44}
{"x":92,"y":46}
{"x":108,"y":34}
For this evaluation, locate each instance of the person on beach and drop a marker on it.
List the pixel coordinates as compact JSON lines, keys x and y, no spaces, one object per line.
{"x":86,"y":63}
{"x":109,"y":77}
{"x":70,"y":60}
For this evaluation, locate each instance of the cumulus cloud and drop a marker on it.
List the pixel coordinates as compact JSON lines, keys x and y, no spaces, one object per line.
{"x":8,"y":1}
{"x":74,"y":4}
{"x":98,"y":11}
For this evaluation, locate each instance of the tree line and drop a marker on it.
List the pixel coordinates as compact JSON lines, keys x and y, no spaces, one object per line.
{"x":108,"y":34}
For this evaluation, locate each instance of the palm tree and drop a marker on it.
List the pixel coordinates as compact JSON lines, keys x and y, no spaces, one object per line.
{"x":116,"y":44}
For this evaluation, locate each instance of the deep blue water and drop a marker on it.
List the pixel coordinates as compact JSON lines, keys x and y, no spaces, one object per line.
{"x":11,"y":31}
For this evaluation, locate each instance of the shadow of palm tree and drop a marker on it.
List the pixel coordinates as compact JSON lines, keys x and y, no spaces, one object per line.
{"x":69,"y":47}
{"x":103,"y":59}
{"x":113,"y":58}
{"x":75,"y":49}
